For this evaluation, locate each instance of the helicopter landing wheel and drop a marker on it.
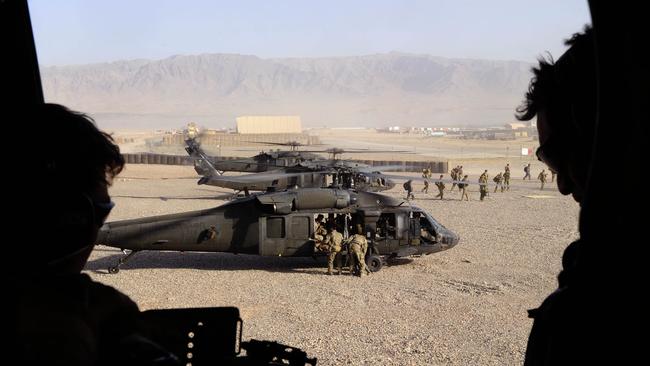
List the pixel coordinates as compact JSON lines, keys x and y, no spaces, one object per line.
{"x":374,"y":263}
{"x":113,"y":269}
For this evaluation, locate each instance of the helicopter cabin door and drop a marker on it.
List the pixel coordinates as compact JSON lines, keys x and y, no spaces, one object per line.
{"x":301,"y":228}
{"x":390,"y":232}
{"x":273,"y":235}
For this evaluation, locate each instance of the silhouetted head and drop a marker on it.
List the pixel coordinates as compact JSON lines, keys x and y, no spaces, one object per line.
{"x":562,"y":95}
{"x":75,"y":163}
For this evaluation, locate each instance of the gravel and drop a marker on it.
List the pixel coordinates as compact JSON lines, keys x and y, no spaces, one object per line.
{"x":465,"y":306}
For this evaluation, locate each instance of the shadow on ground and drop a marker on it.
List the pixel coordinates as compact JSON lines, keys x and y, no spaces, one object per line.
{"x":215,"y":261}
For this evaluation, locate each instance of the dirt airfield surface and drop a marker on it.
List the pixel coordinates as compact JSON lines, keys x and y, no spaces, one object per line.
{"x":464,"y":306}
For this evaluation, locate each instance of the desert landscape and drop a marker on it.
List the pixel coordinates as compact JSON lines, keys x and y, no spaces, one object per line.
{"x":464,"y":306}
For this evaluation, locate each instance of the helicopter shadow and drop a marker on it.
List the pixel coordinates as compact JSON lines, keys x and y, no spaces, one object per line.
{"x":209,"y":261}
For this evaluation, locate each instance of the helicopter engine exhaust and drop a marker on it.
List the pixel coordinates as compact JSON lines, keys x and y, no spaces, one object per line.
{"x":314,"y":199}
{"x":306,"y":199}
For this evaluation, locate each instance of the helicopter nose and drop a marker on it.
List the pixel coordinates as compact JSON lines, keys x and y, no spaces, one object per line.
{"x":448,"y":238}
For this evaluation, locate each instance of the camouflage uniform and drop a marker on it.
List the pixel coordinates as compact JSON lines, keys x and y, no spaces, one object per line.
{"x":527,"y":171}
{"x":506,"y":179}
{"x":334,"y":240}
{"x":426,"y":186}
{"x":542,"y":178}
{"x":483,"y":179}
{"x":454,"y":178}
{"x":441,"y":188}
{"x":409,"y":190}
{"x":319,"y":236}
{"x":463,"y":189}
{"x":497,"y":179}
{"x":358,"y":246}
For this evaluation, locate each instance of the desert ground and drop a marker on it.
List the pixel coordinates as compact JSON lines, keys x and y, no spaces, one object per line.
{"x":464,"y":306}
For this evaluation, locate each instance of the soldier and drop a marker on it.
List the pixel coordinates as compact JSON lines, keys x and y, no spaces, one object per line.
{"x":463,"y":187}
{"x":506,"y":178}
{"x":357,"y":254}
{"x":408,"y":187}
{"x":441,"y":187}
{"x":498,"y":179}
{"x":319,"y":234}
{"x":333,"y":240}
{"x":527,"y":171}
{"x":424,"y":172}
{"x":483,"y":179}
{"x":426,"y":186}
{"x":454,"y":178}
{"x":542,"y":178}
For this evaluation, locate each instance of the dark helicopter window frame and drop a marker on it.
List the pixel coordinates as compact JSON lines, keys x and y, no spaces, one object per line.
{"x":275,"y":228}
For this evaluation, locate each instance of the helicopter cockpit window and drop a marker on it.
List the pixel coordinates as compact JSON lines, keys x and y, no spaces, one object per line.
{"x":427,"y":233}
{"x":275,"y":227}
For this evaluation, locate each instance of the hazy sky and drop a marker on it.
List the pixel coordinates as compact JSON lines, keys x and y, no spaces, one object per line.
{"x":81,"y":31}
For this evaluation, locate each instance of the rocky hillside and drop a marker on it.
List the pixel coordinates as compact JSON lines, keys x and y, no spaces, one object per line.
{"x":374,"y":90}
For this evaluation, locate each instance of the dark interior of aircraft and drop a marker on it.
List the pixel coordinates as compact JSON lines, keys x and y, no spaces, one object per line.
{"x":613,"y":227}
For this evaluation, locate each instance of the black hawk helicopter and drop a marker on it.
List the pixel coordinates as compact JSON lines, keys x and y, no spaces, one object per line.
{"x":282,"y":224}
{"x":287,"y":169}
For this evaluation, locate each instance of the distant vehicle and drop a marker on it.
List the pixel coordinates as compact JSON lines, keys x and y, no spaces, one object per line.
{"x":279,"y":170}
{"x":282,"y":224}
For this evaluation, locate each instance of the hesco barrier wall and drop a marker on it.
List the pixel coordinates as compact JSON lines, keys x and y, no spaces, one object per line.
{"x":409,"y":166}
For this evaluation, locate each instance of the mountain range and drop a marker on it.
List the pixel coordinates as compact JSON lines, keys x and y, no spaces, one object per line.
{"x":212,"y":89}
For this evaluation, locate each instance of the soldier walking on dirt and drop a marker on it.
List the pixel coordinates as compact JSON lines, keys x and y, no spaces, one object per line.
{"x":498,"y":179}
{"x":462,"y":186}
{"x":441,"y":187}
{"x":482,"y":180}
{"x":408,"y":187}
{"x":542,"y":178}
{"x":454,"y":178}
{"x":426,"y":186}
{"x":506,"y":178}
{"x":527,"y":171}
